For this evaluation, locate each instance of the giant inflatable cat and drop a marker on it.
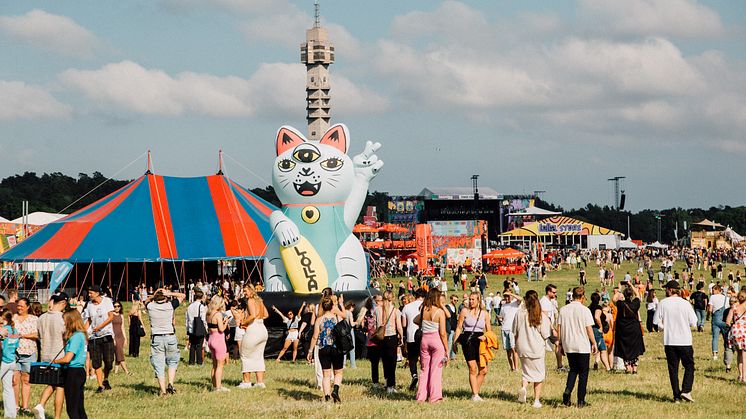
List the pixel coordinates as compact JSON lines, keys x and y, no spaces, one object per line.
{"x":322,"y":192}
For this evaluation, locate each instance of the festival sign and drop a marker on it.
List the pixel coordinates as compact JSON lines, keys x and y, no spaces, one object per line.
{"x":560,"y":226}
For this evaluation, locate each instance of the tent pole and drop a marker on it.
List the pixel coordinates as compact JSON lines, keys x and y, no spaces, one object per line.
{"x":76,"y":278}
{"x":109,"y":267}
{"x":127,"y":283}
{"x":145,"y":274}
{"x":161,"y":281}
{"x":93,"y":273}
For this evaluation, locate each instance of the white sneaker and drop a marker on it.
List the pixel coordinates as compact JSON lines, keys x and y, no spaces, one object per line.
{"x":244,"y":385}
{"x":715,"y":357}
{"x":391,"y":390}
{"x":687,"y":397}
{"x":222,"y":390}
{"x":260,"y":385}
{"x":537,"y":404}
{"x":38,"y":412}
{"x":476,"y":398}
{"x":522,"y":395}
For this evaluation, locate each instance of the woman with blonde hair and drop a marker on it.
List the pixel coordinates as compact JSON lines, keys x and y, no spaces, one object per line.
{"x":254,"y":339}
{"x":216,"y":324}
{"x":75,"y":338}
{"x":136,"y":329}
{"x":388,"y":316}
{"x":531,"y":328}
{"x":472,"y":323}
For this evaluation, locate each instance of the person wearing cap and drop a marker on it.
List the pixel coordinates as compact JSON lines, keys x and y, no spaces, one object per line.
{"x":99,"y":314}
{"x":51,"y":328}
{"x":676,"y":317}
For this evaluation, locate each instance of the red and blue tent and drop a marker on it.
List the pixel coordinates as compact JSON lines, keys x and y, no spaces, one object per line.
{"x":157,"y":218}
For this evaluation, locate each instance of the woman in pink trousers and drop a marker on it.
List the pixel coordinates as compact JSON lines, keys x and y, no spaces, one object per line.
{"x":433,"y":348}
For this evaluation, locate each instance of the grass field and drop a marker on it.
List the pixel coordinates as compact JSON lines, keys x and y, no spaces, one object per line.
{"x":290,"y":388}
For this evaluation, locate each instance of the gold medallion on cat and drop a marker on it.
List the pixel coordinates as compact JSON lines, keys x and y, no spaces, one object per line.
{"x":310,"y":214}
{"x":306,"y":270}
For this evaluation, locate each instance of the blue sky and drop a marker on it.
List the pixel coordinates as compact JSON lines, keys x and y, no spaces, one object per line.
{"x":555,"y":96}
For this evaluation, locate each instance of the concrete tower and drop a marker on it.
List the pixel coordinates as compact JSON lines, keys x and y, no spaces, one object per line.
{"x":317,"y":53}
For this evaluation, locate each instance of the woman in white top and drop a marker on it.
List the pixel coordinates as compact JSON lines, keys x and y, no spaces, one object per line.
{"x":291,"y":321}
{"x":531,"y":328}
{"x":389,"y":316}
{"x":254,"y":339}
{"x":433,"y":349}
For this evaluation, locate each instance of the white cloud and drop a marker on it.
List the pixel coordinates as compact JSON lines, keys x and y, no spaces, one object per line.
{"x":443,"y":78}
{"x":452,"y":18}
{"x":22,"y":101}
{"x":273,"y":88}
{"x":130,"y":86}
{"x":243,"y":6}
{"x":52,"y":32}
{"x":680,"y":18}
{"x":652,"y":67}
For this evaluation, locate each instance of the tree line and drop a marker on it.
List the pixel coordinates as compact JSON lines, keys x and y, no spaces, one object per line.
{"x":55,"y":192}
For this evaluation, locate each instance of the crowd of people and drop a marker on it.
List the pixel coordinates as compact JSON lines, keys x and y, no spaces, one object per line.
{"x":424,"y":327}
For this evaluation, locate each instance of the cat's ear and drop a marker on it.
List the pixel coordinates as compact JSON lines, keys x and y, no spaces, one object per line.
{"x":287,"y":138}
{"x":337,"y":137}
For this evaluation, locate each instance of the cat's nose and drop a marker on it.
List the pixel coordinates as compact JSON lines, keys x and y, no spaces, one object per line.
{"x":306,"y":171}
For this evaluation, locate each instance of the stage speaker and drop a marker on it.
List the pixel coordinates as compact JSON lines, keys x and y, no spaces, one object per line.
{"x":621,"y":201}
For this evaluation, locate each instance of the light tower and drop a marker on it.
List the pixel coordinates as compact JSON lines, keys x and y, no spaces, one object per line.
{"x":317,"y":53}
{"x":618,"y":198}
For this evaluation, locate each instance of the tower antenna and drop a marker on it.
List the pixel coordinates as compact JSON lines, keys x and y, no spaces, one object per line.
{"x":317,"y":14}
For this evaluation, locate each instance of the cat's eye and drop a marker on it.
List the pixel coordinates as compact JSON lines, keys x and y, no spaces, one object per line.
{"x":285,"y":165}
{"x":332,"y":164}
{"x":306,"y":155}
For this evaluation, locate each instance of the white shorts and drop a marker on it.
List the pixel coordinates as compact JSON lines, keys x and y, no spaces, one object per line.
{"x":292,"y":336}
{"x":239,"y":334}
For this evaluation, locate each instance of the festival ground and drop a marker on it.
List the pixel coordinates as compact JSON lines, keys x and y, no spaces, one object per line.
{"x":290,"y":388}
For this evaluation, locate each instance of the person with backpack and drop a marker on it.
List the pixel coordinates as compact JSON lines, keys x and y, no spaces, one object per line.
{"x":196,"y":313}
{"x":367,"y":319}
{"x":11,"y":340}
{"x":330,"y":358}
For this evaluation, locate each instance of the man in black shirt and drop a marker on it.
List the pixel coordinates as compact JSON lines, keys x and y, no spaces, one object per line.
{"x":452,"y":322}
{"x":699,"y":300}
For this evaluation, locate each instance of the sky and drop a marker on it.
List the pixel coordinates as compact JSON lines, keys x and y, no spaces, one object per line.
{"x":554,"y":96}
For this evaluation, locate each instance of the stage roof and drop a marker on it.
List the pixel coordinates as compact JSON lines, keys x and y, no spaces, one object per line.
{"x":457,"y":193}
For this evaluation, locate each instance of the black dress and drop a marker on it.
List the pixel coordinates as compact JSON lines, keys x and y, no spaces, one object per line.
{"x":135,"y":326}
{"x":628,"y":343}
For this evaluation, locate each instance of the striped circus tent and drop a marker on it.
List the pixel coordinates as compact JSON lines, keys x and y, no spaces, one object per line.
{"x":157,"y":218}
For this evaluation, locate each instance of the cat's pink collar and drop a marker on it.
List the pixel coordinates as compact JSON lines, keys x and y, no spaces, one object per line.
{"x":333,"y":204}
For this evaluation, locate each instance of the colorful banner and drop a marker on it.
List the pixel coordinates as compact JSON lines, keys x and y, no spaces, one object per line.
{"x":59,"y":275}
{"x":455,"y":257}
{"x":404,"y":209}
{"x":424,"y":244}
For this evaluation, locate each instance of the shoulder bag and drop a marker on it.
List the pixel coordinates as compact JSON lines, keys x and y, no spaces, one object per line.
{"x":198,"y":326}
{"x":380,"y":332}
